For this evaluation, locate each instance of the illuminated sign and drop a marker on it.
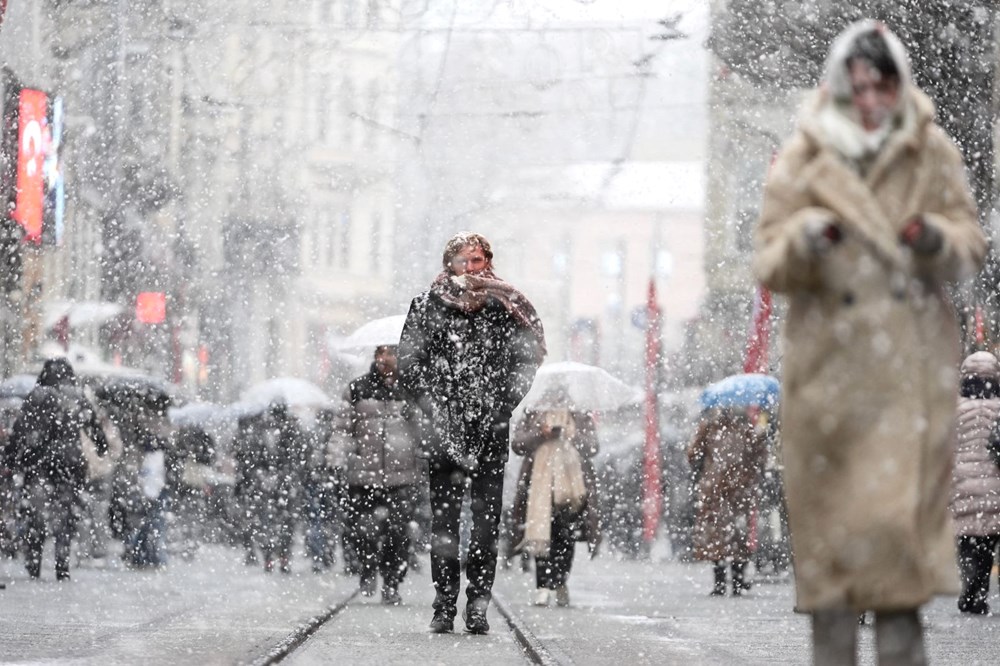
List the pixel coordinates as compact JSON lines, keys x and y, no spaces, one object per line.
{"x":33,"y":139}
{"x":151,"y":307}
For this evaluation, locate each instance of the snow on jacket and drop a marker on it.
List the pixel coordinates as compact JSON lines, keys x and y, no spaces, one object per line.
{"x":467,"y":371}
{"x":384,"y":429}
{"x":45,"y":444}
{"x":870,"y":370}
{"x":975,"y":491}
{"x":728,"y":456}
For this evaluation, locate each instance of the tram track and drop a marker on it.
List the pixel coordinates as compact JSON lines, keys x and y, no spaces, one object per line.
{"x":531,"y":647}
{"x":296,"y":638}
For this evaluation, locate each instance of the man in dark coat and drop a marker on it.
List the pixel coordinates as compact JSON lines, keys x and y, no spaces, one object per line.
{"x":382,"y":468}
{"x":468,"y":355}
{"x":47,"y":452}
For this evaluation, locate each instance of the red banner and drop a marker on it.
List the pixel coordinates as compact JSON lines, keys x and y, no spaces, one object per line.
{"x":32,"y":138}
{"x":759,"y":339}
{"x":652,"y":492}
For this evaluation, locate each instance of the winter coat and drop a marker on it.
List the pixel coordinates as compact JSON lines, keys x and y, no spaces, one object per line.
{"x":975,"y":489}
{"x":525,"y":441}
{"x":728,"y":457}
{"x":45,"y":444}
{"x":466,"y":371}
{"x":870,"y":367}
{"x":385,"y":433}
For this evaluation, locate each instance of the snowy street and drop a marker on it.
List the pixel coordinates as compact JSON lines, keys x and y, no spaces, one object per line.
{"x":213,"y":610}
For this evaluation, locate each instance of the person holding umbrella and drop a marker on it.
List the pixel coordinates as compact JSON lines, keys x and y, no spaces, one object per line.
{"x":867,"y":217}
{"x":469,"y":350}
{"x":727,"y":458}
{"x":556,"y":502}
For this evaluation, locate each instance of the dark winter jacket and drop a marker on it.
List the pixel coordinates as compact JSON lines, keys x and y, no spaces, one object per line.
{"x":45,"y":444}
{"x":385,"y":431}
{"x":525,"y":442}
{"x":467,"y":372}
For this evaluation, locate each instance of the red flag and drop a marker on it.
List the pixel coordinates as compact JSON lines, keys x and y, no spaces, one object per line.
{"x":652,"y":494}
{"x":980,"y":327}
{"x":760,"y":333}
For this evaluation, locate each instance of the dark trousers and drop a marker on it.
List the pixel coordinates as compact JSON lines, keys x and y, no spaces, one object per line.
{"x":552,"y":570}
{"x":48,"y":510}
{"x":381,"y":518}
{"x":975,"y":559}
{"x":447,"y":485}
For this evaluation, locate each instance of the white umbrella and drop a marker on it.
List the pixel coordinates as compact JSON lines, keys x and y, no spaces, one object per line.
{"x":384,"y":331}
{"x":578,"y":386}
{"x":292,"y":391}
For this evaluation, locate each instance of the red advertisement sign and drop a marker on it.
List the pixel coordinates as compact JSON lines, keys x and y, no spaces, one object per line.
{"x":33,"y":136}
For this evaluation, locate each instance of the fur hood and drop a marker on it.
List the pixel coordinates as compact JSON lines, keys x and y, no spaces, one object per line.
{"x":829,"y":116}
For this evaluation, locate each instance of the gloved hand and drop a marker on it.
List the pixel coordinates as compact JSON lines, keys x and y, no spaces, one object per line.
{"x":822,"y":235}
{"x":925,"y":239}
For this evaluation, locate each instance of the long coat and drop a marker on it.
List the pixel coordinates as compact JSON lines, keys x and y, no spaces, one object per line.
{"x":975,"y":495}
{"x":525,"y":442}
{"x":870,"y":369}
{"x":728,"y":456}
{"x":467,"y":371}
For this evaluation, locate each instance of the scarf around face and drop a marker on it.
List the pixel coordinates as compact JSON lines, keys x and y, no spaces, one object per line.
{"x":469,"y":293}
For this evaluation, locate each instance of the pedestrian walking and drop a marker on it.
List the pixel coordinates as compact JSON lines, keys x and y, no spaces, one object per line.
{"x":727,"y":457}
{"x":280,"y":479}
{"x":468,"y":354}
{"x":556,"y":503}
{"x":382,"y":468}
{"x":48,"y":453}
{"x":866,"y":217}
{"x":975,"y":490}
{"x":323,"y":478}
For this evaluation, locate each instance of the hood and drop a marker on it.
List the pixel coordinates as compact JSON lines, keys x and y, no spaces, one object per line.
{"x":981,"y":364}
{"x":828,"y":116}
{"x":835,"y":77}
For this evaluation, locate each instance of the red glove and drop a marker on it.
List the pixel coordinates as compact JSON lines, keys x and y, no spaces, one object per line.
{"x":922,"y":237}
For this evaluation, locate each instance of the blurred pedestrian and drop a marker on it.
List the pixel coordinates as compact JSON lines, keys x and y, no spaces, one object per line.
{"x":866,"y":217}
{"x":556,"y":503}
{"x":249,"y":455}
{"x":382,"y":467}
{"x":322,"y":490}
{"x":975,"y":492}
{"x":727,"y":457}
{"x":47,"y":453}
{"x":468,"y":355}
{"x":280,"y":480}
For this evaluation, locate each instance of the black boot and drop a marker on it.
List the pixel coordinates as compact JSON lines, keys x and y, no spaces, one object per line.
{"x":719,"y":570}
{"x":444,"y":615}
{"x":475,"y":616}
{"x":739,"y":578}
{"x":899,"y":639}
{"x":835,"y":637}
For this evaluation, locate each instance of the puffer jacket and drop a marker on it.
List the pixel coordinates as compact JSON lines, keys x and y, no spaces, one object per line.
{"x":975,"y":491}
{"x":384,"y":429}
